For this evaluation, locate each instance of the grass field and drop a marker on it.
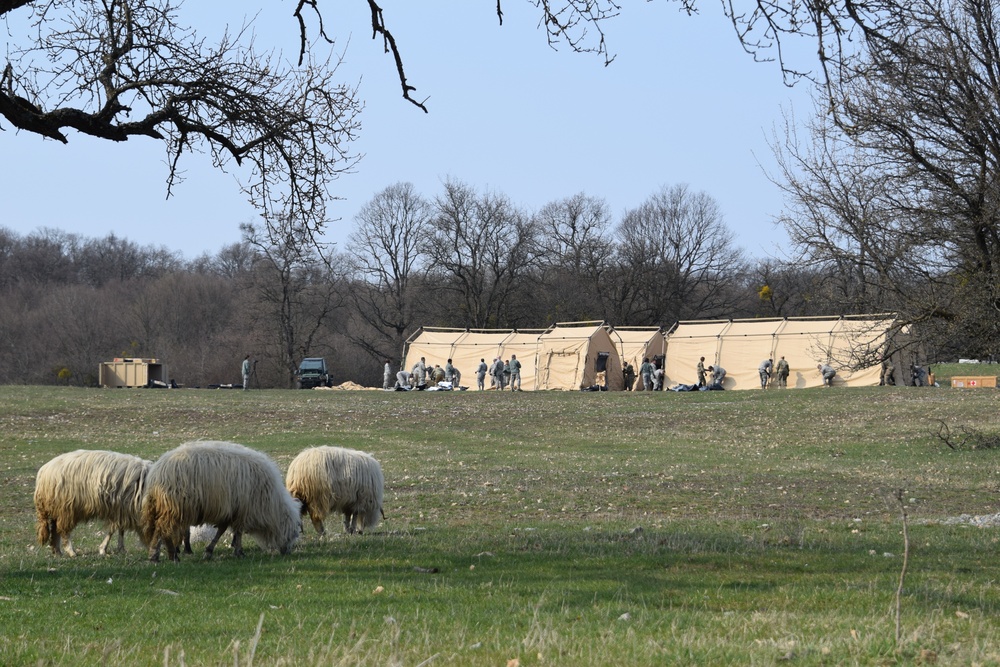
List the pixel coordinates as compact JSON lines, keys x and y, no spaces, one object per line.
{"x":750,"y":528}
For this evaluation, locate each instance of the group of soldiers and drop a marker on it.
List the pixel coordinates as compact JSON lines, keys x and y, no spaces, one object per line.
{"x":507,"y":374}
{"x":780,"y":371}
{"x":503,"y":374}
{"x":651,"y":374}
{"x":422,"y":375}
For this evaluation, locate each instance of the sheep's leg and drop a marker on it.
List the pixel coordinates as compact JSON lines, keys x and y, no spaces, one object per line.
{"x":172,"y":553}
{"x":314,"y":516}
{"x":121,"y":541}
{"x":349,"y":521}
{"x":210,"y":549}
{"x":69,"y":546}
{"x":187,"y":540}
{"x":238,"y":543}
{"x":54,"y":539}
{"x":154,"y":550}
{"x":103,"y":549}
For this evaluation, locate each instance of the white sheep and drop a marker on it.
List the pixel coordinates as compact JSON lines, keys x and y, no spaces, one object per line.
{"x":224,"y":484}
{"x":84,"y":485}
{"x":335,"y":479}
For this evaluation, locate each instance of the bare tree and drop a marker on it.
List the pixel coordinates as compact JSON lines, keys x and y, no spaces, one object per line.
{"x":775,"y":288}
{"x":113,"y":258}
{"x":77,"y":327}
{"x":574,"y":255}
{"x":297,"y":291}
{"x":899,"y":189}
{"x":195,"y":322}
{"x":842,"y":217}
{"x":676,"y":258}
{"x":233,"y":261}
{"x":484,"y":248}
{"x":387,"y":262}
{"x":45,"y":257}
{"x":118,"y":69}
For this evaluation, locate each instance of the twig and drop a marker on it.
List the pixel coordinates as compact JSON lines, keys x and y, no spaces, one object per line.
{"x":428,"y":660}
{"x":256,"y":639}
{"x":906,"y":561}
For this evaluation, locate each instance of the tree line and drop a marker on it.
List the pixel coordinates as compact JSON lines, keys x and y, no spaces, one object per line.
{"x":892,"y":198}
{"x":461,"y":258}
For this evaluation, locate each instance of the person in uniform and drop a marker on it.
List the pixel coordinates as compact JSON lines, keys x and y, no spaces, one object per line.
{"x":765,"y":371}
{"x":515,"y":373}
{"x":782,"y":372}
{"x":888,"y":373}
{"x":628,"y":373}
{"x":481,"y":374}
{"x":245,"y":372}
{"x":646,"y":373}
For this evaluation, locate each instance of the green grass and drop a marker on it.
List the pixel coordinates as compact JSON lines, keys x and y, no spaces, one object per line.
{"x":550,"y":528}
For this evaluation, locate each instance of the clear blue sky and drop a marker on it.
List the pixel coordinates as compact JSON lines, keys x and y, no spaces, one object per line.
{"x":681,"y":103}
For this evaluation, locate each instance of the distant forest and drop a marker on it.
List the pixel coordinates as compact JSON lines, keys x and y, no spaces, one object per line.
{"x":462,"y":259}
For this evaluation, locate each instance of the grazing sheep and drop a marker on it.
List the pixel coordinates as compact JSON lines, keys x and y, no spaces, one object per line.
{"x":83,"y":485}
{"x":334,"y":479}
{"x":224,"y":484}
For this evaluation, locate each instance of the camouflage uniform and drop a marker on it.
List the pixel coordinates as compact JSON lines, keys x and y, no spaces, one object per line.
{"x":782,"y":371}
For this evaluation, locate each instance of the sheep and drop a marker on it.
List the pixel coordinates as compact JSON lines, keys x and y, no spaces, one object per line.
{"x":224,"y":484}
{"x":86,"y":484}
{"x":331,"y":479}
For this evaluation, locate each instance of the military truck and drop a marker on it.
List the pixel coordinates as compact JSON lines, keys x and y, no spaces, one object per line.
{"x":312,"y":373}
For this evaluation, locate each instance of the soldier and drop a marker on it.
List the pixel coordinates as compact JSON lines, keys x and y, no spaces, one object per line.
{"x":515,"y":373}
{"x":497,"y":373}
{"x":888,"y":373}
{"x":718,"y":374}
{"x":827,"y":372}
{"x":437,"y":375}
{"x":403,"y":380}
{"x":765,"y":371}
{"x":658,"y":376}
{"x":701,"y":372}
{"x":782,"y":372}
{"x":245,"y":371}
{"x":628,"y":374}
{"x":422,"y":369}
{"x":646,"y":373}
{"x":449,"y":372}
{"x":481,"y":374}
{"x":420,"y":372}
{"x":386,"y":375}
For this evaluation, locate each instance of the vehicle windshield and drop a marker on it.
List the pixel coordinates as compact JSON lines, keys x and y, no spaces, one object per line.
{"x":311,"y":365}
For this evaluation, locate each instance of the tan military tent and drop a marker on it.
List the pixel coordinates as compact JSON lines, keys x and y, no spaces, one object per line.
{"x":466,"y":347}
{"x":740,"y":346}
{"x":578,"y":355}
{"x":638,"y":343}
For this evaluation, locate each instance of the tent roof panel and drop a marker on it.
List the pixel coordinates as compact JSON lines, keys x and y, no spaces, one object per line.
{"x":708,"y":329}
